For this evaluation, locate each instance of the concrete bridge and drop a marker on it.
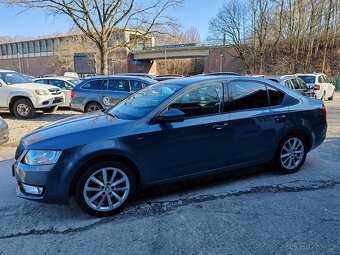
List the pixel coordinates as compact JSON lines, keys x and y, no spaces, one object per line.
{"x":216,"y":58}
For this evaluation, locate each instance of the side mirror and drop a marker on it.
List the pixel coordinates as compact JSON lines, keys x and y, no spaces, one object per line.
{"x":172,"y":115}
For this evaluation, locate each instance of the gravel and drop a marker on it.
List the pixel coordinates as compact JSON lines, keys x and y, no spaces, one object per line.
{"x":19,"y":128}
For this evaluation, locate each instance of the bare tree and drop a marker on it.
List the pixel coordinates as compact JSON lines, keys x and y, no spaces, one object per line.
{"x":101,"y":20}
{"x":232,"y":22}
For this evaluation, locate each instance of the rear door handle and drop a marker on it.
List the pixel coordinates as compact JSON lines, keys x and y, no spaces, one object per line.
{"x":220,"y":126}
{"x":279,"y":118}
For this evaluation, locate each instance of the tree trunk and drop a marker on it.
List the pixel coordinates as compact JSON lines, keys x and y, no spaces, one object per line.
{"x":103,"y":60}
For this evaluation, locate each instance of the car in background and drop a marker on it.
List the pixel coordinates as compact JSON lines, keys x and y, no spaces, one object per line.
{"x":295,"y":83}
{"x":23,"y":98}
{"x":29,"y":78}
{"x":168,"y":77}
{"x":101,"y":92}
{"x":4,"y":134}
{"x":71,"y":74}
{"x":144,"y":75}
{"x":223,"y":73}
{"x":169,"y":131}
{"x":66,"y":84}
{"x":323,"y":87}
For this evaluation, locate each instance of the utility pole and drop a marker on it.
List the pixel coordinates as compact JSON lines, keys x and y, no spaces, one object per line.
{"x":19,"y":62}
{"x":221,"y":59}
{"x":165,"y":62}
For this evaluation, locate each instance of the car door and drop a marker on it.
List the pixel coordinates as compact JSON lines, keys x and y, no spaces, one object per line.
{"x":117,"y":90}
{"x":194,"y":145}
{"x":328,"y":86}
{"x":255,"y":121}
{"x":3,"y":94}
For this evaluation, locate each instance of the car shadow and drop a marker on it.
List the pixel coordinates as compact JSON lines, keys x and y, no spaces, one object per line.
{"x":40,"y":116}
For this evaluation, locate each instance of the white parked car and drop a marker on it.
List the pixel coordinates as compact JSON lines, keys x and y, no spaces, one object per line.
{"x":66,"y":84}
{"x":23,"y":99}
{"x":323,"y":87}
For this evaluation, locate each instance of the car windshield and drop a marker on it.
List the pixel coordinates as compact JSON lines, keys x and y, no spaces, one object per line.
{"x":307,"y":79}
{"x":12,"y":78}
{"x":75,"y":81}
{"x":144,"y":101}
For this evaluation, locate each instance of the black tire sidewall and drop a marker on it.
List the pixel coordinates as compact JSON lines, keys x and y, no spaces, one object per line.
{"x":30,"y":106}
{"x":92,"y":104}
{"x":79,"y":196}
{"x":282,"y":168}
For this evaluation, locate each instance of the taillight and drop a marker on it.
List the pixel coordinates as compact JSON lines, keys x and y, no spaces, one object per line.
{"x":324,"y":111}
{"x":316,"y":87}
{"x":73,"y":94}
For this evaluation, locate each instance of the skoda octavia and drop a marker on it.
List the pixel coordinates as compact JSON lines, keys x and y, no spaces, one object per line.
{"x":170,"y":131}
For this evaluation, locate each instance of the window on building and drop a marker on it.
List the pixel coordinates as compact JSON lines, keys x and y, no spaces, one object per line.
{"x":3,"y":50}
{"x":37,"y":47}
{"x":9,"y":49}
{"x":30,"y":47}
{"x":14,"y":49}
{"x":19,"y":48}
{"x":49,"y":45}
{"x":43,"y":46}
{"x":25,"y":47}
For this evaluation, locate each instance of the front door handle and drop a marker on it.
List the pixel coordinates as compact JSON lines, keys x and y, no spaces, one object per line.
{"x":279,"y":118}
{"x":220,"y":126}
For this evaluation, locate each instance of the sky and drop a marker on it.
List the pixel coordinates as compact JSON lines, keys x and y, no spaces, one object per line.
{"x":36,"y":22}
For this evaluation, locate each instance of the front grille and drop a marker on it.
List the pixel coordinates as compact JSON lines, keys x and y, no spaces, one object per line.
{"x":20,"y":150}
{"x":55,"y":91}
{"x":58,"y":100}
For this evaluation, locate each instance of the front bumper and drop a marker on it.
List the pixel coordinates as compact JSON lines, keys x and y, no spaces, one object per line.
{"x":44,"y":178}
{"x":48,"y":101}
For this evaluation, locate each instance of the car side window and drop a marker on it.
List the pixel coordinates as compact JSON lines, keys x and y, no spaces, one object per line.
{"x":58,"y":83}
{"x":137,"y":85}
{"x":93,"y":85}
{"x":118,"y":85}
{"x":295,"y":84}
{"x":247,"y":95}
{"x":289,"y":84}
{"x":41,"y":81}
{"x":275,"y":96}
{"x":202,"y":101}
{"x":303,"y":85}
{"x":325,"y":78}
{"x":320,"y":79}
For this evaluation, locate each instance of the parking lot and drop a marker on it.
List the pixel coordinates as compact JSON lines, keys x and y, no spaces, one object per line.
{"x":253,"y":212}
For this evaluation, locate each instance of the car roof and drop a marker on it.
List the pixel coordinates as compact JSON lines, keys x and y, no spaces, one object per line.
{"x":309,"y":74}
{"x":64,"y":78}
{"x":197,"y":79}
{"x":7,"y":71}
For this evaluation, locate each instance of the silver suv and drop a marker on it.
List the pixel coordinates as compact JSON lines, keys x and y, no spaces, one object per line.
{"x":102,"y":92}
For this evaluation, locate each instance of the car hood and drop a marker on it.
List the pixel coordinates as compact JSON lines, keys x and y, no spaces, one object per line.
{"x":75,"y":131}
{"x":32,"y":86}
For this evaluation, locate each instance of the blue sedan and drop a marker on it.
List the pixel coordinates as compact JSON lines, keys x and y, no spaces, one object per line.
{"x":175,"y":130}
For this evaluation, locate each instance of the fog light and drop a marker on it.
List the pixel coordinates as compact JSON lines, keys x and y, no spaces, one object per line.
{"x":32,"y":189}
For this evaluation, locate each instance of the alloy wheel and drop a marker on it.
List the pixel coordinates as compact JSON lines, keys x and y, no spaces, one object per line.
{"x":292,"y":153}
{"x":22,"y":110}
{"x":106,"y":189}
{"x":93,"y":108}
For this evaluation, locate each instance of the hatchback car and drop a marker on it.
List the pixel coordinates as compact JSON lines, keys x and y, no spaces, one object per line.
{"x":295,"y":83}
{"x":103,"y":92}
{"x":66,"y":84}
{"x":322,"y":86}
{"x":175,"y":130}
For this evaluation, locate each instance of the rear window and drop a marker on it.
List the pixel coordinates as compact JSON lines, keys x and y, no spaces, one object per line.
{"x":307,"y":79}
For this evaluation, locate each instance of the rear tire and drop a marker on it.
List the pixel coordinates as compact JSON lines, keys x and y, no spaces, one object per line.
{"x":23,"y":109}
{"x":332,"y":97}
{"x":105,"y":188}
{"x":291,"y":154}
{"x":52,"y":109}
{"x":91,"y":107}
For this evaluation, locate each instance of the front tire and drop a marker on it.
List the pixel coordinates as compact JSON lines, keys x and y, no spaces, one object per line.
{"x":291,"y":154}
{"x":105,"y":188}
{"x":23,"y":109}
{"x":91,"y":107}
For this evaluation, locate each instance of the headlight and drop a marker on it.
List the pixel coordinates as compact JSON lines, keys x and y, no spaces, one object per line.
{"x":41,"y":157}
{"x":41,"y":92}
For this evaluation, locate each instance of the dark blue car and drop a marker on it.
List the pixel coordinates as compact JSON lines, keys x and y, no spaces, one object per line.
{"x":103,"y":92}
{"x":175,"y":130}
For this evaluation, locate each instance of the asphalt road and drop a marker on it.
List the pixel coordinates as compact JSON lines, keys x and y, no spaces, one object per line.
{"x":254,"y":212}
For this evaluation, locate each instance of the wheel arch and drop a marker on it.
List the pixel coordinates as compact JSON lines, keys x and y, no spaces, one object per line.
{"x":300,"y":132}
{"x":85,"y":163}
{"x":13,"y":99}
